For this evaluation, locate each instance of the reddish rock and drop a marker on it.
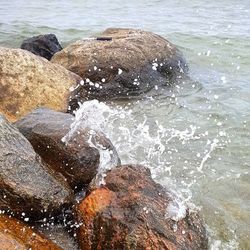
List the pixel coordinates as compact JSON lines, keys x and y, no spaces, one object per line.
{"x":15,"y":234}
{"x":76,"y":160}
{"x":131,"y":212}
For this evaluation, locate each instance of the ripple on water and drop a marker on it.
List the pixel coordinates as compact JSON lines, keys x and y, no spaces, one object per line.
{"x":195,"y":136}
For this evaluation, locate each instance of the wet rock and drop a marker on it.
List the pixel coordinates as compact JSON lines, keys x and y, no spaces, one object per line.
{"x":15,"y":234}
{"x":59,"y":235}
{"x":77,"y":160}
{"x":132,"y":212}
{"x":28,"y":81}
{"x":28,"y":187}
{"x":131,"y":63}
{"x":43,"y":45}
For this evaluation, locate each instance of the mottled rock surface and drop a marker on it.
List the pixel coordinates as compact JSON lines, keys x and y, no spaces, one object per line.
{"x":131,"y":212}
{"x":43,"y":45}
{"x":27,"y":185}
{"x":60,"y":235}
{"x":15,"y":234}
{"x":131,"y":63}
{"x":28,"y":81}
{"x":75,"y":159}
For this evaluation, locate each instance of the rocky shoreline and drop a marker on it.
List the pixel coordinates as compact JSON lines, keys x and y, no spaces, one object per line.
{"x":49,"y":182}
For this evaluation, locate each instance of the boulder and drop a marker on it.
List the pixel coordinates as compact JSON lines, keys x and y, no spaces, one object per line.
{"x":43,"y":45}
{"x":15,"y":234}
{"x":131,"y":211}
{"x":77,"y":160}
{"x":27,"y":185}
{"x":28,"y":81}
{"x":122,"y":62}
{"x":59,"y":234}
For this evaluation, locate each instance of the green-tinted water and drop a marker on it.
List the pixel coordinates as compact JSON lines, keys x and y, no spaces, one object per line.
{"x":196,"y":136}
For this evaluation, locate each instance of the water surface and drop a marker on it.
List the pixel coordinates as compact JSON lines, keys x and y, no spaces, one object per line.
{"x":195,"y":137}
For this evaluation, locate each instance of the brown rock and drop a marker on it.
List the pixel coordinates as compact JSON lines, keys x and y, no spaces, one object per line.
{"x":27,"y":185}
{"x":15,"y":234}
{"x":132,"y":212}
{"x":28,"y":81}
{"x":76,"y":160}
{"x":130,"y":63}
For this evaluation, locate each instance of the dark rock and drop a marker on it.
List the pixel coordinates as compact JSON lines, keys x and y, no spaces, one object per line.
{"x":27,"y":185}
{"x":76,"y":160}
{"x":43,"y":45}
{"x":131,"y":211}
{"x":15,"y":234}
{"x":59,"y":235}
{"x":131,"y":63}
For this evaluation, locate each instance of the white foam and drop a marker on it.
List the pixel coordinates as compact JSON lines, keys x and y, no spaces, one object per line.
{"x":176,"y":210}
{"x":94,"y":114}
{"x":213,"y":146}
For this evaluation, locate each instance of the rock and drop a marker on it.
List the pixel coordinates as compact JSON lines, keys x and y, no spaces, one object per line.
{"x":132,"y":212}
{"x":131,"y":63}
{"x":43,"y":45}
{"x":59,"y":235}
{"x":28,"y":81}
{"x":27,"y":185}
{"x":76,"y":159}
{"x":15,"y":234}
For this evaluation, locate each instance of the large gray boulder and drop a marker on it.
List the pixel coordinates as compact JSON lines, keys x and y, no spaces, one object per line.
{"x":77,"y":160}
{"x":28,"y":187}
{"x":122,"y":62}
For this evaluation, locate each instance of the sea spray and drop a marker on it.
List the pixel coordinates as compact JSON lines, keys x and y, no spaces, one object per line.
{"x":93,"y":115}
{"x":138,"y":140}
{"x":129,"y":140}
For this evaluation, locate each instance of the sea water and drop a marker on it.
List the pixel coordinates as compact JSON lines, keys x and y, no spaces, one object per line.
{"x":195,"y":137}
